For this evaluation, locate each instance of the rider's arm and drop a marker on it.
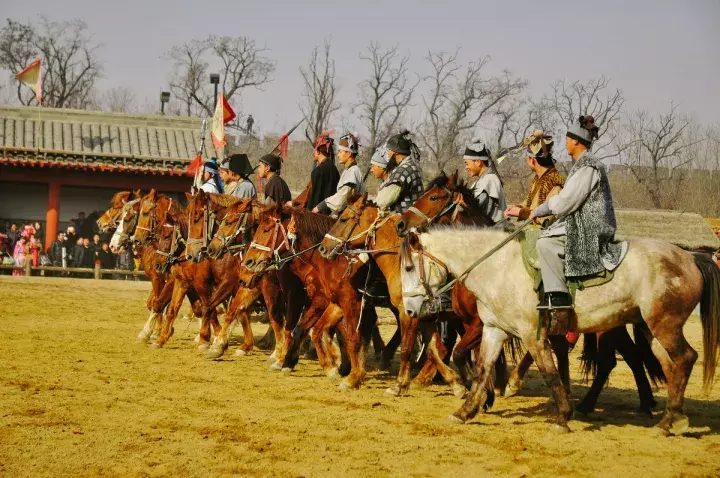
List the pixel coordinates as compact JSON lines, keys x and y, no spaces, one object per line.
{"x":337,"y":201}
{"x":573,"y":195}
{"x":388,"y":195}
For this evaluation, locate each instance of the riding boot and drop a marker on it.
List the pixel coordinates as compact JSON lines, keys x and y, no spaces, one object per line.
{"x":558,"y":306}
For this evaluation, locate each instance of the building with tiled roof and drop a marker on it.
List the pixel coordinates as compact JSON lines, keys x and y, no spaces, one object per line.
{"x":57,"y":162}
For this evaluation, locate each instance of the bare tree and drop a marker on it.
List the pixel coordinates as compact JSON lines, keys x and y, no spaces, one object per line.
{"x":385,"y":94}
{"x":319,"y":81}
{"x":656,"y":154}
{"x":459,"y":100}
{"x":569,"y":101}
{"x":119,"y":100}
{"x":71,"y":68}
{"x":240,"y":62}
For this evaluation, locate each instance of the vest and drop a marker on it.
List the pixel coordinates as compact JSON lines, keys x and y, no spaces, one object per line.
{"x":591,"y":229}
{"x":407,"y":176}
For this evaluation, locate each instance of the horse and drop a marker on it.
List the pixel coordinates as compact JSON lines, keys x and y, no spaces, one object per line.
{"x":282,"y":292}
{"x":361,"y":226}
{"x":447,"y":197}
{"x":657,"y":283}
{"x":110,"y":219}
{"x":332,"y":296}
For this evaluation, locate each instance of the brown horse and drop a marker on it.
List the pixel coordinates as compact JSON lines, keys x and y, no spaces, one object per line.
{"x":110,"y":219}
{"x":446,"y":196}
{"x":281,"y":231}
{"x":360,"y":226}
{"x":282,"y":291}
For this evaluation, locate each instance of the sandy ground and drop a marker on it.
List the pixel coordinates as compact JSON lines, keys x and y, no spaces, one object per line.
{"x":79,"y":397}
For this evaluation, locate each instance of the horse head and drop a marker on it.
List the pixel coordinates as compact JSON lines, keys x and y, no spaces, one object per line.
{"x":146,"y":218}
{"x":126,"y":226}
{"x":269,"y":241}
{"x":111,"y":218}
{"x":237,"y":221}
{"x":347,"y":232}
{"x":439,"y":198}
{"x":421,"y":275}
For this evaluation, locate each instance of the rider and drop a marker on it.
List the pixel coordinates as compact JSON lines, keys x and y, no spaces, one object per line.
{"x":211,"y":178}
{"x":324,"y":177}
{"x":241,"y":169}
{"x":547,"y":181}
{"x":351,"y":180}
{"x":276,"y":189}
{"x":404,"y":184}
{"x":488,"y":189}
{"x":582,"y":241}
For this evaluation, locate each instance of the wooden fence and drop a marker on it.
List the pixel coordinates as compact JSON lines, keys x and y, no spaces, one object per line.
{"x":96,"y":272}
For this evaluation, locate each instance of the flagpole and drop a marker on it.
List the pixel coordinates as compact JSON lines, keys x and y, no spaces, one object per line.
{"x":201,"y":148}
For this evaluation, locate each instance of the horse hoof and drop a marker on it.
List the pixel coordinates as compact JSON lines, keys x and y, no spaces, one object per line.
{"x":214,"y":353}
{"x":454,"y":420}
{"x":275,"y":367}
{"x":286,"y":370}
{"x":644,"y":410}
{"x":155,"y":345}
{"x":513,"y":388}
{"x":334,"y":374}
{"x":197,"y":339}
{"x":273,"y":357}
{"x":203,"y":347}
{"x":240,"y":353}
{"x":659,"y":431}
{"x":154,"y":337}
{"x":344,"y":386}
{"x":558,"y":429}
{"x":458,"y":390}
{"x":680,"y":425}
{"x":141,"y":340}
{"x":393,"y":391}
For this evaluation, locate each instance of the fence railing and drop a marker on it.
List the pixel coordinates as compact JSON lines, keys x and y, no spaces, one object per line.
{"x":96,"y":272}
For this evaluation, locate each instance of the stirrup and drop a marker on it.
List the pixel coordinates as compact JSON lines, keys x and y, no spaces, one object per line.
{"x":549,"y":305}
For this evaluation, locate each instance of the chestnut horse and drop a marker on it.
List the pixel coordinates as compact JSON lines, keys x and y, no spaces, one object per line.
{"x":441,"y":198}
{"x":332,"y":296}
{"x":361,"y":227}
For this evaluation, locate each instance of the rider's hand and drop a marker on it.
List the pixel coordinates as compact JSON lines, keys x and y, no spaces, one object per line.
{"x":289,"y":204}
{"x":512,"y":211}
{"x":532,"y":215}
{"x":315,"y":210}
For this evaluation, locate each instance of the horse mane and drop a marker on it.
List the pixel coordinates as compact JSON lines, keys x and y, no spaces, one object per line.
{"x":120,"y":196}
{"x":225,"y":200}
{"x":405,"y":251}
{"x":440,"y":181}
{"x":311,"y":225}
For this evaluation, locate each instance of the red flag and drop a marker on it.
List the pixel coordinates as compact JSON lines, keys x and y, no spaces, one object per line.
{"x":282,"y":147}
{"x":223,"y":114}
{"x":194,"y":165}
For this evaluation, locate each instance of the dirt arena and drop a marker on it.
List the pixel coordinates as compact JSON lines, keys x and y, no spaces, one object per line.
{"x":79,"y":397}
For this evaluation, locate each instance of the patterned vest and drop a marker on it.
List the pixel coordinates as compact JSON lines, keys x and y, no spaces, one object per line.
{"x":591,"y":229}
{"x":407,"y":176}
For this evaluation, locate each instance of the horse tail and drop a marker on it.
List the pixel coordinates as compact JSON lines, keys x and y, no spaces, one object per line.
{"x":589,"y":356}
{"x":514,"y":349}
{"x":710,"y":316}
{"x":652,"y":364}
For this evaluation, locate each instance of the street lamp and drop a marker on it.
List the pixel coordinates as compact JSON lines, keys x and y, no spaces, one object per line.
{"x":164,"y":98}
{"x":215,"y":80}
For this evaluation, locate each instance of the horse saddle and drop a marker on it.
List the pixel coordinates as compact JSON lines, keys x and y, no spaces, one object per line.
{"x":528,"y":243}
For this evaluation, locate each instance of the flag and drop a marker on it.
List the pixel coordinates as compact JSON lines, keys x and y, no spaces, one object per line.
{"x":282,"y":147}
{"x":31,"y":76}
{"x":194,"y":165}
{"x":223,"y":114}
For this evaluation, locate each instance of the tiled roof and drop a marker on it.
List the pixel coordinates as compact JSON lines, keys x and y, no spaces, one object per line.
{"x":52,"y":137}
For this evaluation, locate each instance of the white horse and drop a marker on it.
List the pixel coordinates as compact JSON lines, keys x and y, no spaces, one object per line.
{"x":656,"y":282}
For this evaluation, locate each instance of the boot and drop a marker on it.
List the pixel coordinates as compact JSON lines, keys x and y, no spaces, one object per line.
{"x":558,"y":306}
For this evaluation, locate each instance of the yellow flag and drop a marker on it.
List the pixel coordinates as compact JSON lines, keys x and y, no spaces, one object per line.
{"x":31,"y":76}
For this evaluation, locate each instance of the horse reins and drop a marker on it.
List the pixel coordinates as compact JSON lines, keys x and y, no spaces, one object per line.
{"x":454,"y":205}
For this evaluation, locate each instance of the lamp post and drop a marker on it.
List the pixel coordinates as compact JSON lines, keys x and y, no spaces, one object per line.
{"x":215,"y":80}
{"x":164,"y":98}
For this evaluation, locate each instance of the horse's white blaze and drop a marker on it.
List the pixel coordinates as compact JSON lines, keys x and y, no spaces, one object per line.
{"x":505,"y":294}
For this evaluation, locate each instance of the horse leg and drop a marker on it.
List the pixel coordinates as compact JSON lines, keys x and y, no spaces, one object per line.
{"x":391,"y":347}
{"x":516,"y":382}
{"x":490,"y":348}
{"x":677,"y":358}
{"x":310,"y":317}
{"x":606,"y":362}
{"x":542,"y":353}
{"x":437,"y":353}
{"x":149,"y":327}
{"x":461,"y":354}
{"x":429,"y":369}
{"x":356,"y":343}
{"x":274,"y":304}
{"x":561,"y":347}
{"x":408,"y":330}
{"x":179,"y":290}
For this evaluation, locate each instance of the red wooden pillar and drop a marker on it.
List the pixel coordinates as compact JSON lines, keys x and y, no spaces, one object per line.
{"x":51,"y":217}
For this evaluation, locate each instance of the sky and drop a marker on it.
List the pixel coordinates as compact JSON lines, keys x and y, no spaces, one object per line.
{"x":656,"y":51}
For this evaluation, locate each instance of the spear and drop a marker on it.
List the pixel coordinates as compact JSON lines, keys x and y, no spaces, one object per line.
{"x":280,"y":149}
{"x":197,"y":162}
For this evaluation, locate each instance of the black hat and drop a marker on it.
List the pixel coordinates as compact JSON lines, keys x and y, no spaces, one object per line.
{"x":271,"y":161}
{"x":477,"y":150}
{"x":240,"y":164}
{"x":400,"y":143}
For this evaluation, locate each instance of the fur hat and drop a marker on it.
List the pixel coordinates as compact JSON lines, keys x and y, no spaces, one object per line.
{"x":584,"y":131}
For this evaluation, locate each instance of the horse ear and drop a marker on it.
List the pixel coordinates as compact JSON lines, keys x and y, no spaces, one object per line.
{"x":137,"y":194}
{"x":452,"y":181}
{"x":188,"y":196}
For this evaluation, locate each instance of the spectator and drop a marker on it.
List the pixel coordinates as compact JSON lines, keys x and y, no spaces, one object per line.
{"x":13,"y":235}
{"x":95,"y":245}
{"x":19,"y":255}
{"x":125,"y":262}
{"x":57,"y":253}
{"x":79,"y":223}
{"x":107,"y":258}
{"x":37,"y":227}
{"x":78,"y":253}
{"x":88,"y":259}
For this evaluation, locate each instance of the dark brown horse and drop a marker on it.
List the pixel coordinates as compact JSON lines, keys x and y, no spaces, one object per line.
{"x":361,"y":227}
{"x":334,"y":301}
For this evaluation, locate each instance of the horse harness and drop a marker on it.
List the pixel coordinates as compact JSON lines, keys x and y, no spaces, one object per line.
{"x":369,"y":233}
{"x":455,"y":205}
{"x":239,"y":229}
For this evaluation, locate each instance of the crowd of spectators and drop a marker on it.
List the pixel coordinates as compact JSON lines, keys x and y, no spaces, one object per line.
{"x":80,"y":246}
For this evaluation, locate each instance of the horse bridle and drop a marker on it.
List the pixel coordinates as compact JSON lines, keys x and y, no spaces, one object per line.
{"x":454,"y":205}
{"x":430,"y":297}
{"x":226,"y":241}
{"x":278,"y":232}
{"x":153,"y":219}
{"x":342,"y":244}
{"x":115,"y":219}
{"x":208,"y":226}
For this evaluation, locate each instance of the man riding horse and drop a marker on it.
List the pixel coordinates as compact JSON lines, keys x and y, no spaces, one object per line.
{"x":351,"y":180}
{"x":488,"y":188}
{"x":582,"y":242}
{"x":404,"y":185}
